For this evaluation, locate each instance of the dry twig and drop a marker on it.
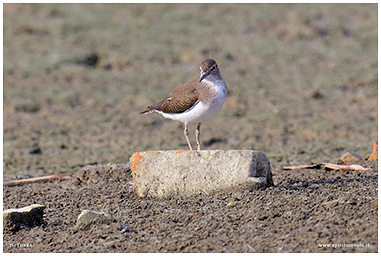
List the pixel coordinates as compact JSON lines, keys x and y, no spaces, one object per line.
{"x":352,"y":167}
{"x":297,"y":167}
{"x":62,"y":176}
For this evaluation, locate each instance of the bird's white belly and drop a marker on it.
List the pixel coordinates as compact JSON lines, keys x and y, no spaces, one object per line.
{"x":200,"y":112}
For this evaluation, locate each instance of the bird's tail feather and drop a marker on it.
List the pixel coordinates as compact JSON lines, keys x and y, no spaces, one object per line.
{"x":147,"y":111}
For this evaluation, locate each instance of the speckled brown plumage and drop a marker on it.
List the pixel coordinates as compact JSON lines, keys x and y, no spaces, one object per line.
{"x":195,"y":101}
{"x":178,"y":101}
{"x":186,"y":96}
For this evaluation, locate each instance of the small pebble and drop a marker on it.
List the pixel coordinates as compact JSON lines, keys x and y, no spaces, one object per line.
{"x":123,"y":228}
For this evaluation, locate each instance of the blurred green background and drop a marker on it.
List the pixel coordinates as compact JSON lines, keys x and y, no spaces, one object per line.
{"x":302,"y":80}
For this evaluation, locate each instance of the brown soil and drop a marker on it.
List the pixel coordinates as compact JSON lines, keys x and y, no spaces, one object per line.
{"x":304,"y":212}
{"x":303,"y":89}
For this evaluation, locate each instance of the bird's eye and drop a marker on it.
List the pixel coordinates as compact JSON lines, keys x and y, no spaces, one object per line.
{"x":213,"y":68}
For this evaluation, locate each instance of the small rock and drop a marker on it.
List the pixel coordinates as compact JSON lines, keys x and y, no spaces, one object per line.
{"x":317,"y":95}
{"x":131,"y":189}
{"x":14,"y":219}
{"x":90,"y":60}
{"x":232,"y":204}
{"x":123,"y":228}
{"x":36,"y":150}
{"x":88,"y":219}
{"x":237,"y":196}
{"x":349,"y":158}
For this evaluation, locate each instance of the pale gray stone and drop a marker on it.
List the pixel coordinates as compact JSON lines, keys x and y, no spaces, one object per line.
{"x":184,"y":172}
{"x":89,"y":219}
{"x":14,"y":219}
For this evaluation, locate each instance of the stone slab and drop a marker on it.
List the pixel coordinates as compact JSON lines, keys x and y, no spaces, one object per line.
{"x":183,"y":172}
{"x":14,"y":219}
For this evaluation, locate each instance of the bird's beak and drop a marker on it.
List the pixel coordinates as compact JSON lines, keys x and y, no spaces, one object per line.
{"x":203,"y":75}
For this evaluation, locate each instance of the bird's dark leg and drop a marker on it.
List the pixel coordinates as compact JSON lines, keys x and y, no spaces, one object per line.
{"x":198,"y":136}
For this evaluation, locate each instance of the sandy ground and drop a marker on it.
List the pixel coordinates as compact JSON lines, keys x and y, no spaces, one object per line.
{"x":306,"y":211}
{"x":303,"y":89}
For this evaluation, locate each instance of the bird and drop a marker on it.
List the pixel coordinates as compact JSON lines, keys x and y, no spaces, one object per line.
{"x":196,"y":101}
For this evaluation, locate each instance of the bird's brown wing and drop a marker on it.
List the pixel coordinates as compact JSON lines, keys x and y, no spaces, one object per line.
{"x":178,"y":101}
